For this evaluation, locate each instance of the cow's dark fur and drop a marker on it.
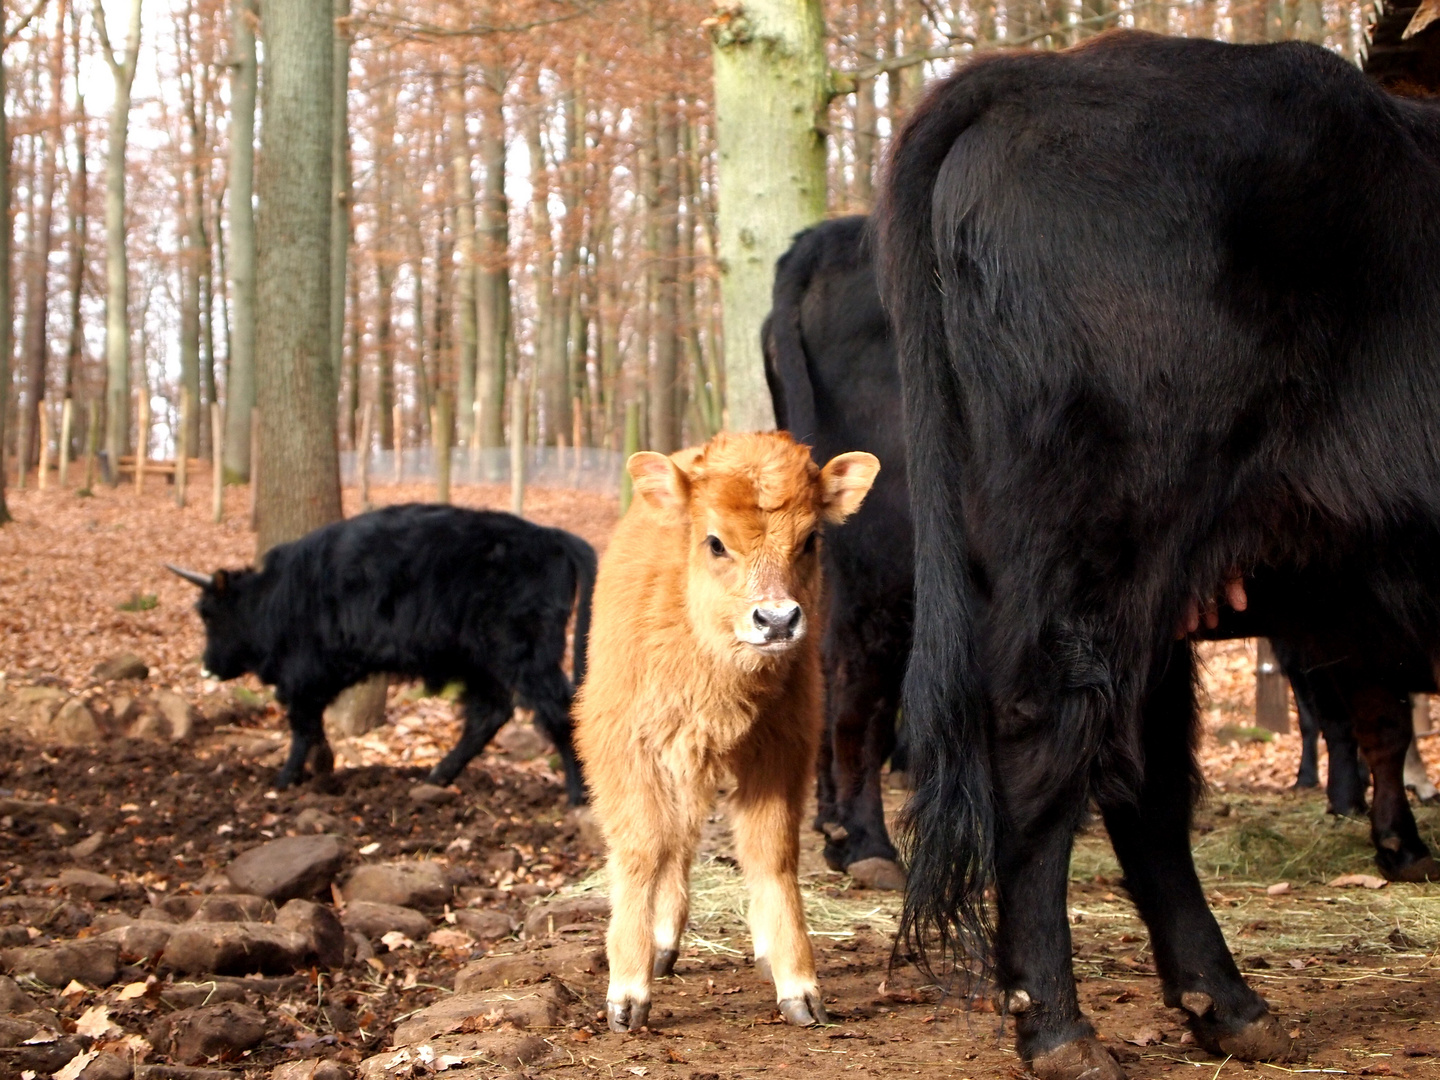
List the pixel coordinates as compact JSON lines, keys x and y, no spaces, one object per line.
{"x":831,"y":369}
{"x":1160,"y":315}
{"x":431,"y":592}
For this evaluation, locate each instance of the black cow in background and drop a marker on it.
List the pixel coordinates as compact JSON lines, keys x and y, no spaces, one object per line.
{"x":834,"y":381}
{"x":1160,"y":309}
{"x":426,"y":591}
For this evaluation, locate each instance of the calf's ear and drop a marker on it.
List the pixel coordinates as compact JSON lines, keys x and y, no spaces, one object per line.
{"x":844,"y":483}
{"x":658,"y":480}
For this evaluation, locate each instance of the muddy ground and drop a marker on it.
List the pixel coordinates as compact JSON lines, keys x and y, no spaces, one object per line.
{"x":161,"y":802}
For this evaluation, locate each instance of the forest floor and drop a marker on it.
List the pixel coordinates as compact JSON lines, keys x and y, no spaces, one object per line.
{"x":156,"y":785}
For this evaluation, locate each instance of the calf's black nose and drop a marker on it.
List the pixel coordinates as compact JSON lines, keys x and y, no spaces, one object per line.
{"x":778,"y":623}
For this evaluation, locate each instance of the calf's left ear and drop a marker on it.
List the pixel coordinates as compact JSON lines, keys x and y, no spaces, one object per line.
{"x":658,"y":480}
{"x":844,"y":483}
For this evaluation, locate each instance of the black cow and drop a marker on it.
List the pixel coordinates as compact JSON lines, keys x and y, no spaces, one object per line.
{"x":1161,"y":313}
{"x":431,"y":592}
{"x":834,"y":381}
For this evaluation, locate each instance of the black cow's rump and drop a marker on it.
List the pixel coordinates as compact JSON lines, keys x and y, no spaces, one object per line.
{"x":833,"y":379}
{"x":431,"y":592}
{"x":1159,"y":311}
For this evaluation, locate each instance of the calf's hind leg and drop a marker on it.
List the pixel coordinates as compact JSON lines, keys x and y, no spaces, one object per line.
{"x":1151,"y":837}
{"x":768,"y":804}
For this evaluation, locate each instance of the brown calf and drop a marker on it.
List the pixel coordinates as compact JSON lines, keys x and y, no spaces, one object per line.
{"x":700,"y":667}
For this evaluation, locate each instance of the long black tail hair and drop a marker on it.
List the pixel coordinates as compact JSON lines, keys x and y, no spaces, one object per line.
{"x":582,"y":558}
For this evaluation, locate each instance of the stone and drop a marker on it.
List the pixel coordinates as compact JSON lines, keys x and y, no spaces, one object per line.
{"x":25,"y":810}
{"x":37,"y":705}
{"x":432,"y":795}
{"x":233,"y":907}
{"x":179,"y":717}
{"x":190,"y":995}
{"x":107,"y":1066}
{"x":548,"y":918}
{"x":88,"y":885}
{"x":408,"y":884}
{"x":483,"y":1055}
{"x":314,"y":820}
{"x":312,"y":1069}
{"x":94,"y":961}
{"x":289,"y":867}
{"x":235,"y":949}
{"x":376,"y":920}
{"x":358,"y":709}
{"x":485,"y":924}
{"x":72,"y":725}
{"x":15,"y":1031}
{"x":540,"y":1007}
{"x":877,"y":873}
{"x":124,"y":665}
{"x":13,"y":1000}
{"x":44,"y":1058}
{"x":141,"y":942}
{"x":87,"y":847}
{"x":324,"y":936}
{"x":125,"y":709}
{"x":192,"y":1036}
{"x":521,"y":741}
{"x":183,"y":1072}
{"x":514,"y":969}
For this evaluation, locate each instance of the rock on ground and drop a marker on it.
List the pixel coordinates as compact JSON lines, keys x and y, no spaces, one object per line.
{"x":289,"y":867}
{"x":141,"y":941}
{"x":478,"y":1056}
{"x":317,"y":924}
{"x":87,"y":885}
{"x":93,"y":961}
{"x":376,"y":920}
{"x":547,"y":918}
{"x":311,"y":1069}
{"x":196,"y":1035}
{"x":235,"y":949}
{"x":512,"y":969}
{"x":541,"y":1007}
{"x":485,"y":924}
{"x":409,"y":884}
{"x":124,"y":665}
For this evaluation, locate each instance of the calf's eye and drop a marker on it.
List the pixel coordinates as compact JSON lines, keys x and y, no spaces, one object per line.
{"x":717,"y":548}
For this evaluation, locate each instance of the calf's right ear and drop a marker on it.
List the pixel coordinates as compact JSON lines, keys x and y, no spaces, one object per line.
{"x":845,"y":482}
{"x":658,"y":480}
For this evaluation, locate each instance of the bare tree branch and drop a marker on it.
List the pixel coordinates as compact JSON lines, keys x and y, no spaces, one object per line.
{"x":412,"y":29}
{"x":7,"y":34}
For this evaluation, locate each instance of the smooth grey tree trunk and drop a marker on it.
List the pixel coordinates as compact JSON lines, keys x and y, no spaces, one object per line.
{"x":117,"y":266}
{"x":7,"y":228}
{"x":340,"y":197}
{"x":240,"y":384}
{"x":492,"y":279}
{"x":665,"y":385}
{"x":466,"y":330}
{"x":299,"y":474}
{"x":553,"y":380}
{"x":192,"y":251}
{"x":772,"y":87}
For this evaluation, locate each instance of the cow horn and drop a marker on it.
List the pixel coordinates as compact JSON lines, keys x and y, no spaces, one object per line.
{"x":192,"y":576}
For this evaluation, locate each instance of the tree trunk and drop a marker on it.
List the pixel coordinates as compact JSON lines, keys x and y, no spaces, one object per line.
{"x":7,"y":232}
{"x":299,"y":482}
{"x":240,"y":385}
{"x":77,"y":200}
{"x":192,"y":247}
{"x":391,"y":436}
{"x":340,"y":198}
{"x":666,"y":387}
{"x":465,"y":297}
{"x":492,"y":279}
{"x":771,"y":93}
{"x":552,"y":374}
{"x":117,"y":266}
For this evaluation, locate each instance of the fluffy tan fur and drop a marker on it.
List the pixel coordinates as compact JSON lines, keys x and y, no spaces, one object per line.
{"x":702,"y":665}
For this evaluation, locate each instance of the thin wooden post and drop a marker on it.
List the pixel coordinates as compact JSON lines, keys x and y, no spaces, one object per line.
{"x":255,"y":470}
{"x":217,"y":464}
{"x":518,"y":412}
{"x":67,"y":420}
{"x":22,"y":449}
{"x":362,"y":460}
{"x":142,"y":440}
{"x":440,"y":430}
{"x":397,"y":425}
{"x":92,"y":445}
{"x":1272,"y":691}
{"x":632,"y":446}
{"x":43,"y":475}
{"x":182,"y":448}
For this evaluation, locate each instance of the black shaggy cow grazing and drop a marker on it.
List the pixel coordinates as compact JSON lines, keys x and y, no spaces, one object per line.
{"x":831,"y":369}
{"x":1161,"y":311}
{"x":432,"y":592}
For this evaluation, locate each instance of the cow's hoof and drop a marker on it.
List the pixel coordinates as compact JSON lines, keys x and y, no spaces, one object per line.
{"x":441,"y":776}
{"x":627,"y":1015}
{"x":1081,"y":1059}
{"x":804,"y":1011}
{"x":877,"y":874}
{"x":665,"y":963}
{"x":1422,"y":869}
{"x":286,"y":778}
{"x":1262,"y":1039}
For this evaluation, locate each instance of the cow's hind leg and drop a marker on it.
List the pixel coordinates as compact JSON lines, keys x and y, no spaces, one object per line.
{"x":549,"y":694}
{"x":1151,"y":837}
{"x":307,"y":743}
{"x":767,"y":807}
{"x":487,"y":707}
{"x":864,"y":724}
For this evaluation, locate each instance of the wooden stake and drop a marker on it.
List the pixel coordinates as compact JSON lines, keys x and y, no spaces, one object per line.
{"x":182,"y":448}
{"x":362,"y":460}
{"x":67,"y":419}
{"x":632,"y":446}
{"x":397,"y":425}
{"x":1272,"y":691}
{"x":22,"y":448}
{"x":440,"y":430}
{"x":142,"y":440}
{"x":92,"y":444}
{"x":517,"y":448}
{"x":217,"y":467}
{"x":44,"y":454}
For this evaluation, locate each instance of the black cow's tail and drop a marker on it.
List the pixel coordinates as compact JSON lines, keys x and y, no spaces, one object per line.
{"x":787,"y":371}
{"x":948,"y":828}
{"x":582,"y":558}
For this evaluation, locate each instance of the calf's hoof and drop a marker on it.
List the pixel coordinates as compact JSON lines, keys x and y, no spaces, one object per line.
{"x":1260,"y":1039}
{"x":664,"y":965}
{"x":627,"y":1014}
{"x":804,"y":1011}
{"x":1080,"y":1059}
{"x":877,"y":874}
